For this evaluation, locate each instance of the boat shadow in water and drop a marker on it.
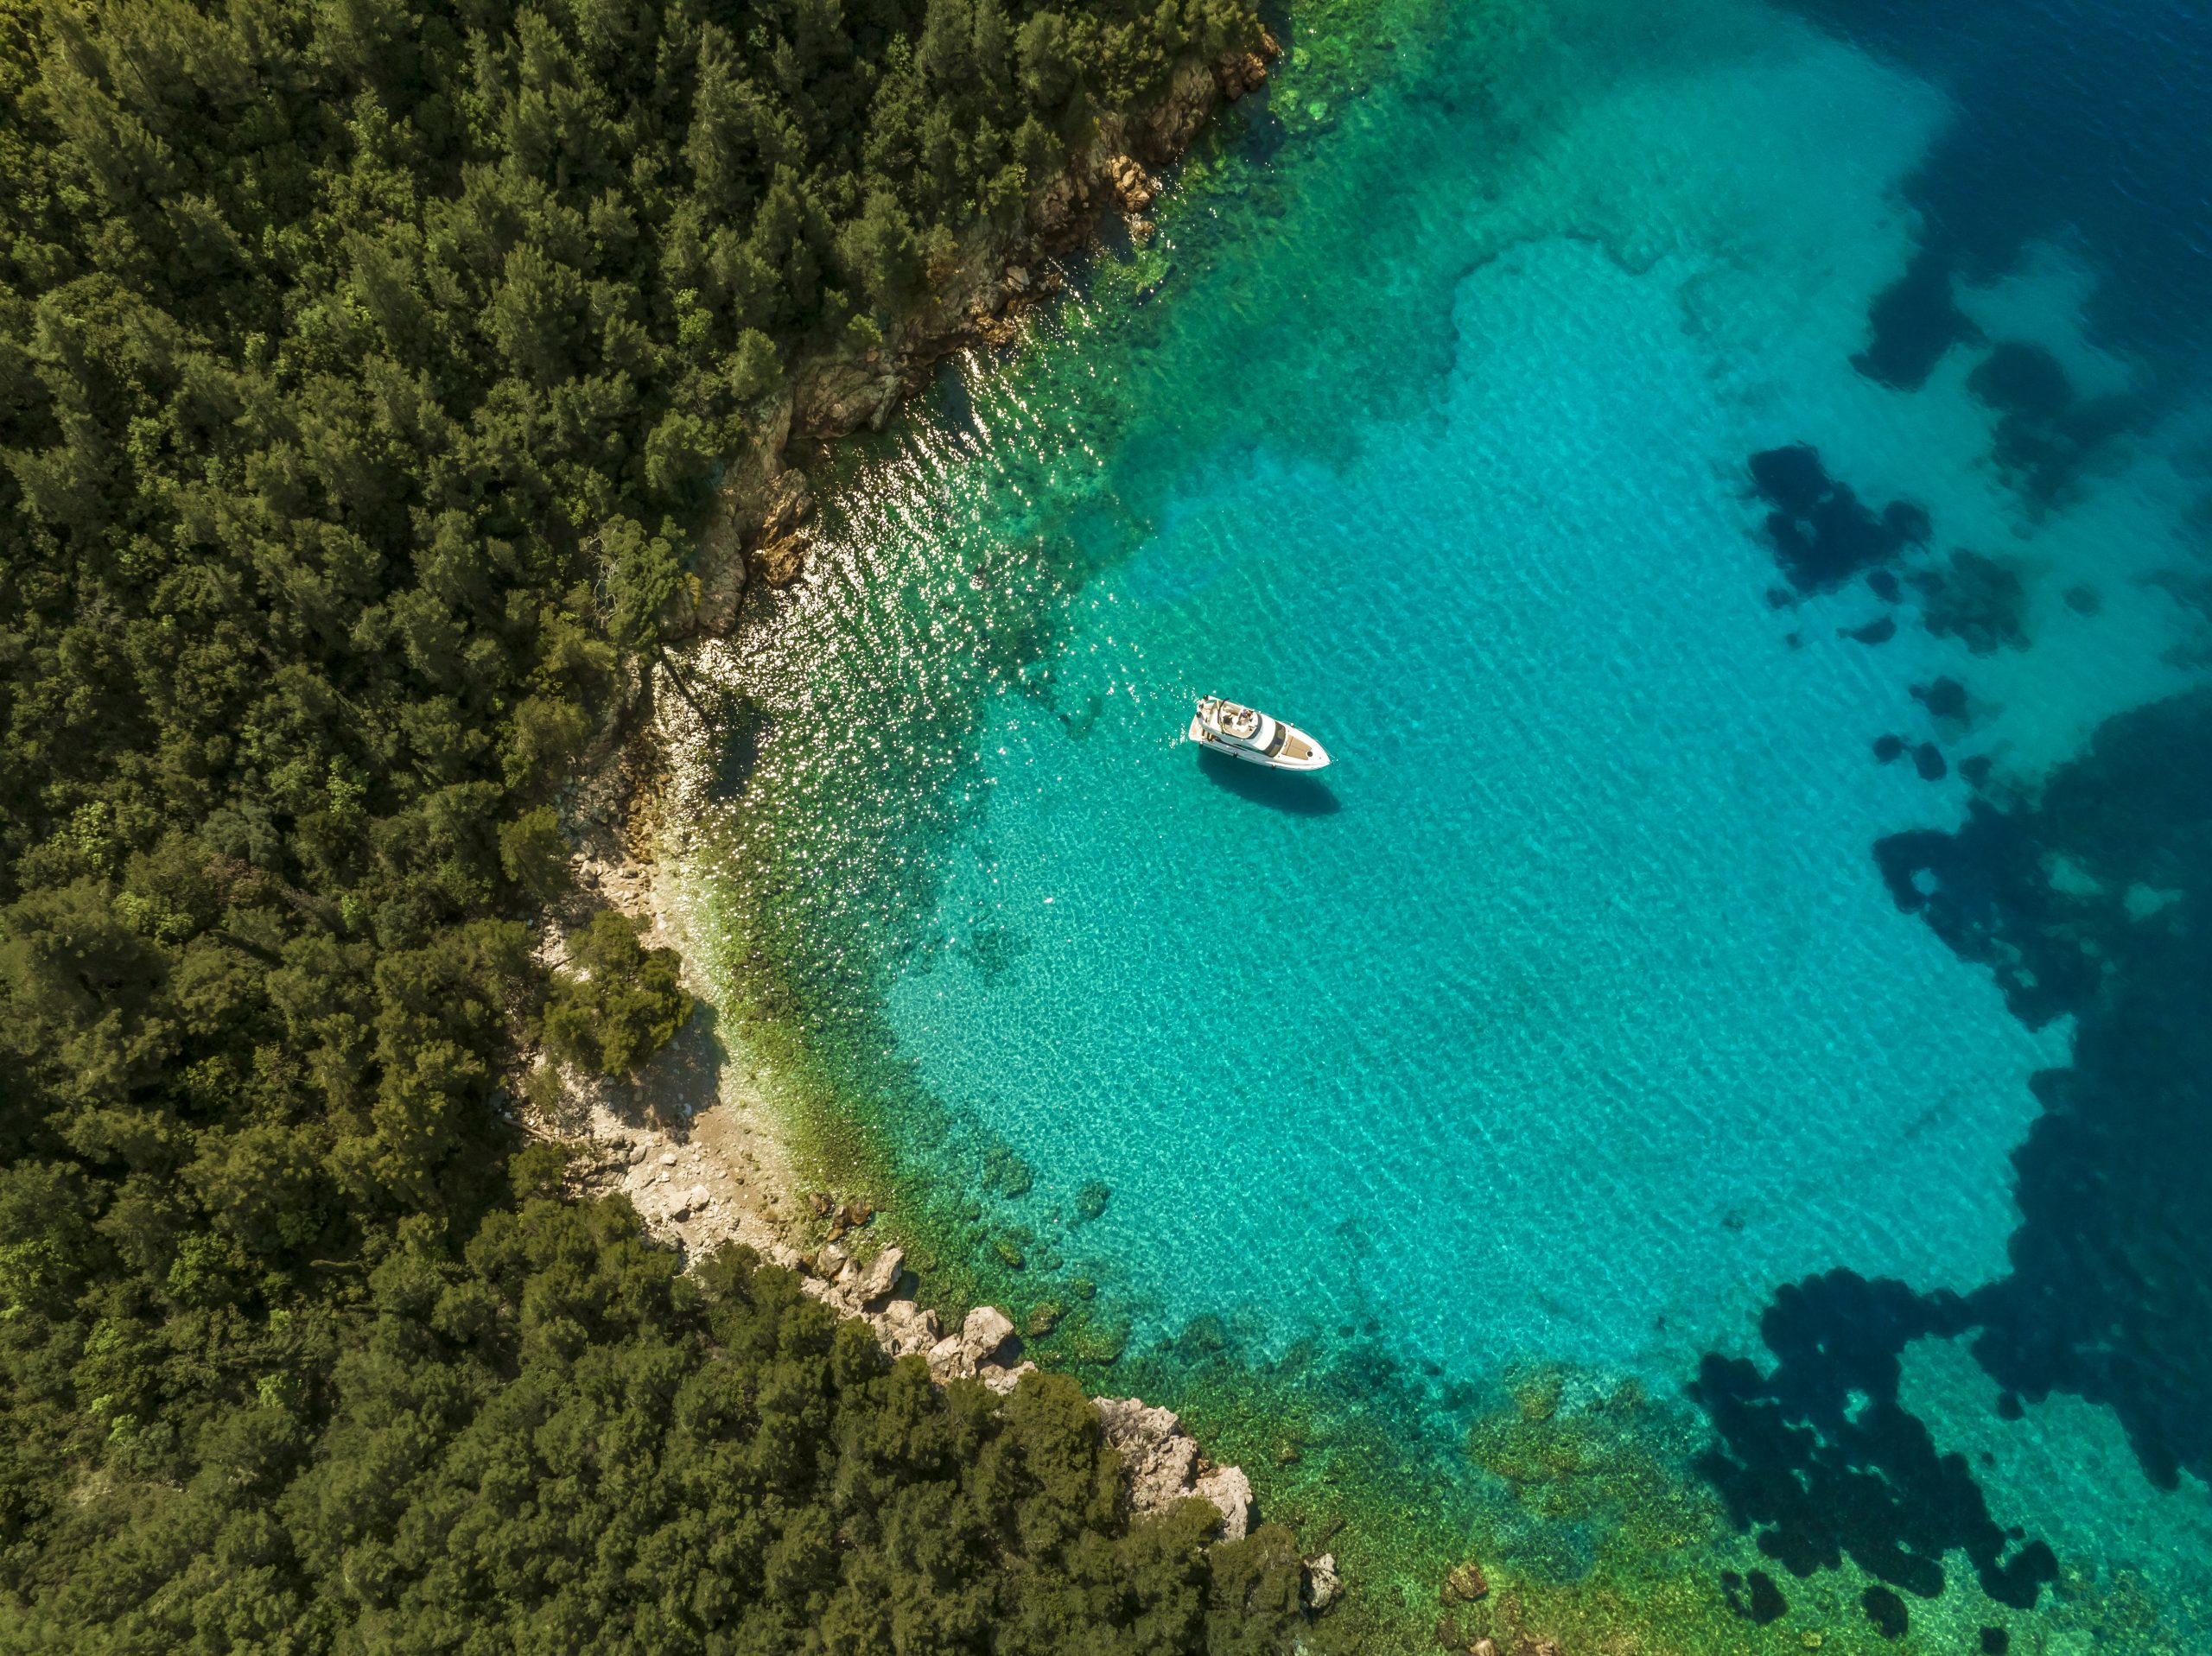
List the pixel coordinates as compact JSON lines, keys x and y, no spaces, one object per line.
{"x":1283,"y":790}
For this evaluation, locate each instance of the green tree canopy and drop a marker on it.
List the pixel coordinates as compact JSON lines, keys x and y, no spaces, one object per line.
{"x":619,"y":1003}
{"x":363,"y":370}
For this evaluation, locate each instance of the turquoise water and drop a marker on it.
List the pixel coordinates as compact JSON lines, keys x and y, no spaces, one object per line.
{"x":1569,"y":1019}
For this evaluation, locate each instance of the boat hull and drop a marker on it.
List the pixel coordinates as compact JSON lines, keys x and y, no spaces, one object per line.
{"x":1317,"y":757}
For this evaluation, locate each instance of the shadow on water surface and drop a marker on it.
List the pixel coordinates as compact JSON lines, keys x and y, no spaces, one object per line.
{"x":1287,"y":791}
{"x":741,"y":751}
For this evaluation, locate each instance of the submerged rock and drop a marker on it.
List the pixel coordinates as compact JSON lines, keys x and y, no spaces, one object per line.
{"x":1946,"y":698}
{"x":1980,"y":600}
{"x":1822,"y":534}
{"x":1886,"y":1611}
{"x":1465,"y":1583}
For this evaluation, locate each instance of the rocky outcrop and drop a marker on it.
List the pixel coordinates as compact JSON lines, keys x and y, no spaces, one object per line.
{"x":1160,"y":1462}
{"x":1239,"y":72}
{"x":1229,"y":1489}
{"x":1163,"y":1466}
{"x":705,"y":605}
{"x":832,"y":395}
{"x":881,"y":1277}
{"x":1160,"y":1458}
{"x":1323,"y":1585}
{"x":906,"y":1330}
{"x":756,"y":531}
{"x":780,"y":561}
{"x":1133,"y":188}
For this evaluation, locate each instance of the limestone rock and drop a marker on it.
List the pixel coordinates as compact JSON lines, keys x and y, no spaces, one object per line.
{"x":881,"y":1275}
{"x":1231,"y":1491}
{"x":1159,"y":1458}
{"x":780,"y":560}
{"x":949,"y":1361}
{"x":905,"y":1328}
{"x":1323,"y":1585}
{"x":1484,"y":1647}
{"x":987,"y":1329}
{"x":1003,"y":1381}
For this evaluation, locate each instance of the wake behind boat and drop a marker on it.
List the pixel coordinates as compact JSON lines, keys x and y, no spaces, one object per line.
{"x":1248,"y":735}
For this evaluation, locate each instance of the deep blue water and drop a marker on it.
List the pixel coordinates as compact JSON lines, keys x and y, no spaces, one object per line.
{"x":1730,"y":483}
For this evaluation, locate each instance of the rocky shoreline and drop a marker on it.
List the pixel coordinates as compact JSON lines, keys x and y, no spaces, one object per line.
{"x":1159,"y":1459}
{"x":695,"y":1190}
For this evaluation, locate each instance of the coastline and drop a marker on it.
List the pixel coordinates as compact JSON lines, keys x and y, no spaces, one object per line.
{"x":755,"y":537}
{"x":756,"y":531}
{"x":697,"y":1141}
{"x":775,"y":1132}
{"x":1600,"y":1458}
{"x":698,"y":1145}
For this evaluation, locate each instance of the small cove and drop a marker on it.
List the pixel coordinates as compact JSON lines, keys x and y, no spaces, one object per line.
{"x":1569,"y":1018}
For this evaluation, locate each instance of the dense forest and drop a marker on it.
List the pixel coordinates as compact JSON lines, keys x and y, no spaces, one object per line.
{"x":364,"y":373}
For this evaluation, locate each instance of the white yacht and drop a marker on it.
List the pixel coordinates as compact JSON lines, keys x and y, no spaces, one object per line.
{"x":1248,"y":735}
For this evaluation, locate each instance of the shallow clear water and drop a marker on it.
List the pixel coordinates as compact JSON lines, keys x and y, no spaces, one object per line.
{"x":1570,"y":1018}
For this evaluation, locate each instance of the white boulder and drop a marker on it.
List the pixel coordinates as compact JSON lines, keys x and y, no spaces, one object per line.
{"x":987,"y":1329}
